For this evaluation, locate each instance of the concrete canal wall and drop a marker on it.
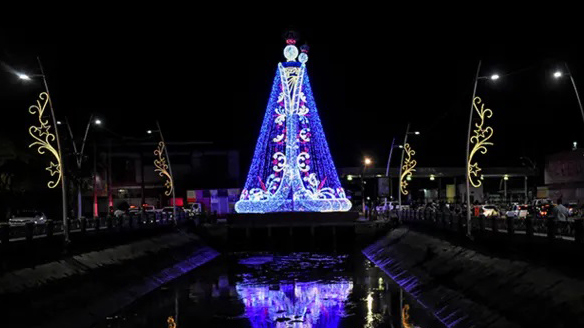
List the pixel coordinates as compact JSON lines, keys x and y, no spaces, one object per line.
{"x":80,"y":290}
{"x":466,"y":288}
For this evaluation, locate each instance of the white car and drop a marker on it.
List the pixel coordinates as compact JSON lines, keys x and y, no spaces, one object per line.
{"x":24,"y":217}
{"x":517,"y":211}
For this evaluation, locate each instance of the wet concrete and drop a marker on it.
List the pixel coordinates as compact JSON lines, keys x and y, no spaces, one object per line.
{"x":464,"y":287}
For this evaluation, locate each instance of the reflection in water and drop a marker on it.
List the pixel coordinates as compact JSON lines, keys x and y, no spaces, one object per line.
{"x":295,"y":290}
{"x":298,"y":305}
{"x":369,"y":317}
{"x":171,"y":323}
{"x":406,"y":317}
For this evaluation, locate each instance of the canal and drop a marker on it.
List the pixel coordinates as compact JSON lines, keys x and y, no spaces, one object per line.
{"x":292,"y":289}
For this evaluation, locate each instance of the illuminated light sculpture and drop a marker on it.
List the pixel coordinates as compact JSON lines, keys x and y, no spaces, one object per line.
{"x":407,"y":169}
{"x":161,"y":167}
{"x":43,"y":138}
{"x":300,"y":304}
{"x":292,"y":169}
{"x":480,"y":140}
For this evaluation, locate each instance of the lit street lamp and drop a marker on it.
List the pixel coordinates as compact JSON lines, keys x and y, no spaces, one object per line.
{"x":367,"y":161}
{"x":559,"y":74}
{"x":79,"y":158}
{"x":60,"y":168}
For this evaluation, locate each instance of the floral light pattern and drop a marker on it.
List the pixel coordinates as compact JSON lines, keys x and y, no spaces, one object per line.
{"x":407,"y":169}
{"x":480,"y":140}
{"x":43,"y":138}
{"x":161,"y":167}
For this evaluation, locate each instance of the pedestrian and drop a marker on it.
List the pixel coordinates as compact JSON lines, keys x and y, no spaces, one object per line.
{"x":560,"y":212}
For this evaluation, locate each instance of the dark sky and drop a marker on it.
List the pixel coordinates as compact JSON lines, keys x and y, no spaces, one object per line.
{"x":210,"y":82}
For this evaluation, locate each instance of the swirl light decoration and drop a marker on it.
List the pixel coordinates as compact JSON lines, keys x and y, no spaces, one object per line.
{"x":407,"y":169}
{"x":171,"y":322}
{"x":480,"y":140}
{"x":161,"y":166}
{"x":406,"y":317}
{"x":43,"y":138}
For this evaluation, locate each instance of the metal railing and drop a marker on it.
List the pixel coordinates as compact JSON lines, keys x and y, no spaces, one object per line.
{"x":29,"y":231}
{"x":572,"y":229}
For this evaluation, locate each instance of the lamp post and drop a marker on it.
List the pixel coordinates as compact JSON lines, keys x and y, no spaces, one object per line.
{"x":79,"y":155}
{"x":559,"y":74}
{"x":411,"y":163}
{"x":164,"y":168}
{"x":366,"y":162}
{"x":61,"y":166}
{"x":483,"y":113}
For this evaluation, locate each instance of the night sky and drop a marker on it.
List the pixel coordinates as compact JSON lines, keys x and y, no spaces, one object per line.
{"x":210,"y":82}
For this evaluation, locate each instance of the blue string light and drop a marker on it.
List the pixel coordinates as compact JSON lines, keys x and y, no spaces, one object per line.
{"x":292,"y":169}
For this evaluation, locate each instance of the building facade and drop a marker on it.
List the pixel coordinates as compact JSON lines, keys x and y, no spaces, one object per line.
{"x":124,"y":173}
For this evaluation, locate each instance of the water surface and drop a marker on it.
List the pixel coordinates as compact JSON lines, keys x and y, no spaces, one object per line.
{"x":295,"y":290}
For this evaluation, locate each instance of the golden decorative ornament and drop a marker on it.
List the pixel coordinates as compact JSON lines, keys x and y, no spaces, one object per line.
{"x":407,"y":169}
{"x":480,"y":140}
{"x":406,"y":317}
{"x":292,"y":75}
{"x":43,"y":138}
{"x":162,"y":168}
{"x":171,"y":323}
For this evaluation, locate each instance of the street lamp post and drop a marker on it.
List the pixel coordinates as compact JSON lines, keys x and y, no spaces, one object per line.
{"x":59,"y":153}
{"x":161,"y":167}
{"x":387,"y":170}
{"x":405,"y":148}
{"x":479,"y":144}
{"x":559,"y":74}
{"x":366,"y":161}
{"x":474,"y":92}
{"x":79,"y":155}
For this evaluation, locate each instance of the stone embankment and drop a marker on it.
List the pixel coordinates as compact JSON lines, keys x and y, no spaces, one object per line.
{"x":467,"y":288}
{"x":81,"y":290}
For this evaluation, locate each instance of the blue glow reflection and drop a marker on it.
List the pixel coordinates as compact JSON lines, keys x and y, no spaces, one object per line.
{"x":297,"y":305}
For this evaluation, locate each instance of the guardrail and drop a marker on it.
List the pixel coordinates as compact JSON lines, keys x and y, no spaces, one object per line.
{"x":530,"y":226}
{"x":29,"y":231}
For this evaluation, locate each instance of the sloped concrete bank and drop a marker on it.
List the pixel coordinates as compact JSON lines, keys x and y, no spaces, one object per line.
{"x":83,"y":289}
{"x":464,"y":288}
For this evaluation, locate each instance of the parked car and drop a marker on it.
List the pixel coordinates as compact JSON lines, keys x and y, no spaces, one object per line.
{"x":542,"y":206}
{"x":147,"y":209}
{"x":170,"y":209}
{"x":194,"y":209}
{"x":517,"y":211}
{"x":489,"y":210}
{"x":26,"y":216}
